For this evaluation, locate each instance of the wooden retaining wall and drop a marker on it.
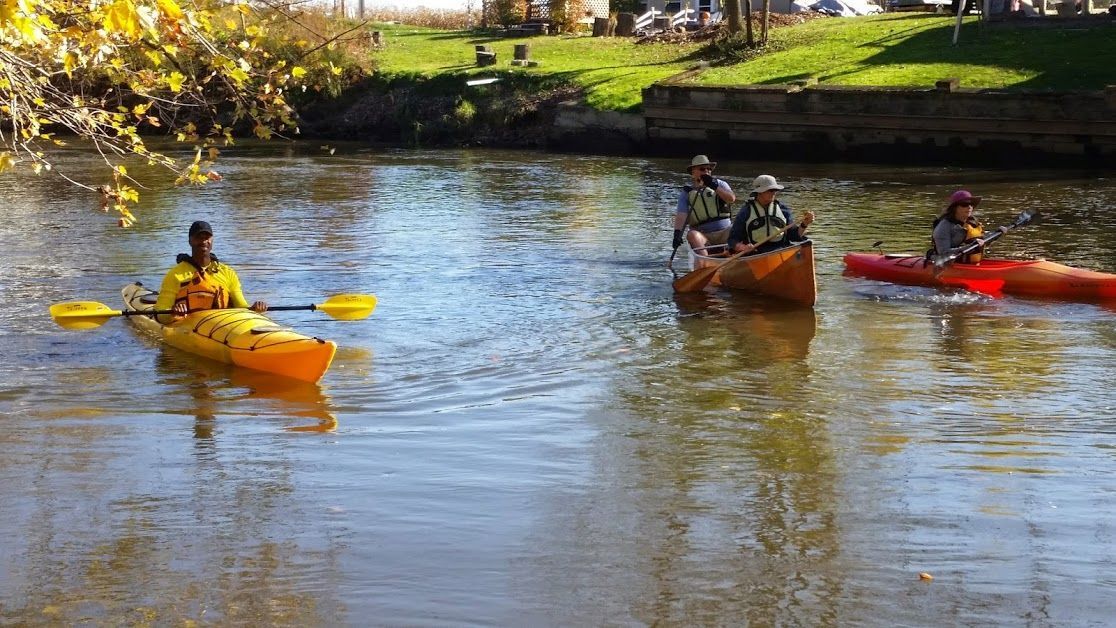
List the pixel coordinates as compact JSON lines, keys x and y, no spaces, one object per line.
{"x":939,"y":124}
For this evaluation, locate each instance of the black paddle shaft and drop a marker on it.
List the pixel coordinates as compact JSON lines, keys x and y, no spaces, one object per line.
{"x":278,"y":308}
{"x":1023,"y":219}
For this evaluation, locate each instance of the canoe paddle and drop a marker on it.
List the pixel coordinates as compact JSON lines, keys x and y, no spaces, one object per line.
{"x":90,"y":314}
{"x":696,"y":280}
{"x":1025,"y":218}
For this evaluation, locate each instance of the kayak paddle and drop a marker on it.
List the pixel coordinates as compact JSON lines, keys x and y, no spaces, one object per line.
{"x":1024,"y":218}
{"x":90,"y":314}
{"x":696,"y":280}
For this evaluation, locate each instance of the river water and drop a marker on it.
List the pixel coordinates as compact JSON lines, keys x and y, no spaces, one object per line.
{"x":532,"y":429}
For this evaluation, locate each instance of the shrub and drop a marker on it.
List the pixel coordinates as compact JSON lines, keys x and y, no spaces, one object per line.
{"x":507,"y":12}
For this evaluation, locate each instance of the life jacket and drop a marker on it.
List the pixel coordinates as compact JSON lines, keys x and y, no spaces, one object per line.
{"x":705,"y":205}
{"x":761,"y":222}
{"x":202,"y":291}
{"x":973,"y":231}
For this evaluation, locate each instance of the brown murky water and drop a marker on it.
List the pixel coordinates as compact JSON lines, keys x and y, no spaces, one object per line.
{"x":533,"y":430}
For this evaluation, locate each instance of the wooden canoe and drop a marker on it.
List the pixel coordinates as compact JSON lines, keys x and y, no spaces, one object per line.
{"x":786,"y":274}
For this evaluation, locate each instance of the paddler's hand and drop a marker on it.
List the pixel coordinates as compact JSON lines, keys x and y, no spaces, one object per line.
{"x":743,"y":248}
{"x":259,"y":306}
{"x":180,"y":309}
{"x":1003,"y":229}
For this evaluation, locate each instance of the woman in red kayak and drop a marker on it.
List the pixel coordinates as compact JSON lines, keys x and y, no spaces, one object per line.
{"x":956,"y":229}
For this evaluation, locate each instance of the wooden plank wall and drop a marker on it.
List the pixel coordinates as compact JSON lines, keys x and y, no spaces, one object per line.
{"x":945,"y":124}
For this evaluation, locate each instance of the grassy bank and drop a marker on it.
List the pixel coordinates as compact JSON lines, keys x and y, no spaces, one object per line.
{"x":888,"y":50}
{"x":612,"y":70}
{"x":906,"y":49}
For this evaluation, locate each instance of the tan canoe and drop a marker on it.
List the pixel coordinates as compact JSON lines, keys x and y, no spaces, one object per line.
{"x":786,"y":274}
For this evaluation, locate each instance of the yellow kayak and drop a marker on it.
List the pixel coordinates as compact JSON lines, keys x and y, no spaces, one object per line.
{"x":236,"y":336}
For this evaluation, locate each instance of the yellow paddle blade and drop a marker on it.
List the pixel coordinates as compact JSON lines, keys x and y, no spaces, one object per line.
{"x":348,"y":307}
{"x":82,"y":314}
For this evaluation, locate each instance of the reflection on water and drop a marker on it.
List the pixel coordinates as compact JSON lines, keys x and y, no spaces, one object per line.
{"x":722,"y":481}
{"x":533,"y":429}
{"x":212,"y":386}
{"x":745,"y":327}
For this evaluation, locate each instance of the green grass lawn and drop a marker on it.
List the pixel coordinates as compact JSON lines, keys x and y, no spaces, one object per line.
{"x":906,"y":49}
{"x":886,"y":50}
{"x":612,"y":70}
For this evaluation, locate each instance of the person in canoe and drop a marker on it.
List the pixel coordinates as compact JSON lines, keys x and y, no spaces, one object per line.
{"x":200,"y":281}
{"x":762,"y":216}
{"x":703,"y":205}
{"x":957,"y":228}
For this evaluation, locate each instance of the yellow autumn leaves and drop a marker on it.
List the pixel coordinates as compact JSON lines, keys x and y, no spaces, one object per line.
{"x":136,"y":65}
{"x":37,"y":21}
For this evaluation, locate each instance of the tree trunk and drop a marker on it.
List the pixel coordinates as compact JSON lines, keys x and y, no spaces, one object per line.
{"x":748,"y":22}
{"x":763,"y":28}
{"x":625,"y":24}
{"x":732,"y":8}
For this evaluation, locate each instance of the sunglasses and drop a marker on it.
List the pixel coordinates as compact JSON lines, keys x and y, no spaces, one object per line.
{"x":965,"y":204}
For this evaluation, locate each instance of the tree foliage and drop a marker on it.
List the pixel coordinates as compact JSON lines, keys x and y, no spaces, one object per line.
{"x":506,"y":12}
{"x":107,"y":70}
{"x":565,"y":14}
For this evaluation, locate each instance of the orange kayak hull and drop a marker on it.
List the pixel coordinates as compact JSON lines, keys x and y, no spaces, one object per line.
{"x":1031,"y":278}
{"x":237,"y":336}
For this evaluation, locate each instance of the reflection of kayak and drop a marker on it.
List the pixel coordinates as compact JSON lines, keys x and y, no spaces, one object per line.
{"x":787,"y":273}
{"x":1036,"y":278}
{"x":236,"y":336}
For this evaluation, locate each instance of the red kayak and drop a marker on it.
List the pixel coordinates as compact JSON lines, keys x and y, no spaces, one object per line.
{"x":1036,"y":278}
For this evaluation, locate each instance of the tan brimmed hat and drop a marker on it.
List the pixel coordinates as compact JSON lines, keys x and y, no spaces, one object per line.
{"x":701,"y":160}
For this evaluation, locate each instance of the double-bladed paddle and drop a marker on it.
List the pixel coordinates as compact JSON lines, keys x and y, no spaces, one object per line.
{"x":696,"y":280}
{"x":1025,"y":218}
{"x":90,"y":314}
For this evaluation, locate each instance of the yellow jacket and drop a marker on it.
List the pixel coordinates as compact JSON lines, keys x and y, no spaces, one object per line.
{"x":179,"y":278}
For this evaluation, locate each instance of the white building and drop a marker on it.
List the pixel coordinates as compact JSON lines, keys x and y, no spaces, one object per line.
{"x":674,"y":6}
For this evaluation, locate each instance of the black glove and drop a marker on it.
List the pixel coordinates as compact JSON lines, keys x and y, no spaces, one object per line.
{"x":677,"y":242}
{"x":709,"y":181}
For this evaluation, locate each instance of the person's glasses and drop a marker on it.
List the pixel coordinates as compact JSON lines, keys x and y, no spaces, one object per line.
{"x":965,"y":204}
{"x":705,"y":169}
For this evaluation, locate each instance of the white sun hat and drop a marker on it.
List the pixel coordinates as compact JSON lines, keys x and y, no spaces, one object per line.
{"x":765,"y":182}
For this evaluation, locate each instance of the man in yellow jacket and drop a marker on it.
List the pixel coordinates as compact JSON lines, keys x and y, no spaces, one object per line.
{"x":200,"y":281}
